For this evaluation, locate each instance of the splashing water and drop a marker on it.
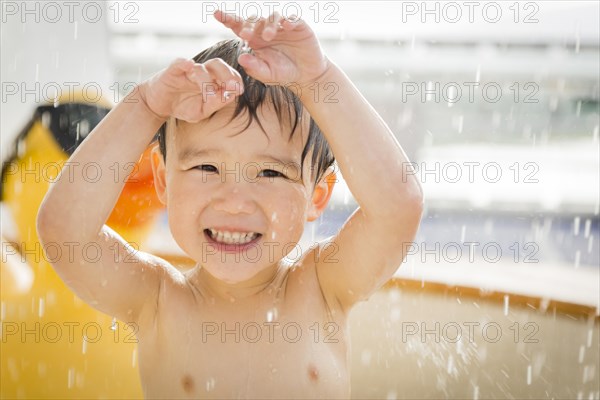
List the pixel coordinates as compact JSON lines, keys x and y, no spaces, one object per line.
{"x":210,"y":384}
{"x":134,"y":357}
{"x":70,"y":377}
{"x":41,"y":307}
{"x":113,"y":325}
{"x":245,"y":47}
{"x":365,"y":357}
{"x":272,"y":315}
{"x":476,"y":393}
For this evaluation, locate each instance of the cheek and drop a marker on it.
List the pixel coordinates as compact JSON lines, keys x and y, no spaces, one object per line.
{"x":183,"y":201}
{"x":289,"y":204}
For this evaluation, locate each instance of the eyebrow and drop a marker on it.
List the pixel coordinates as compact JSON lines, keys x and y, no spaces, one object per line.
{"x":191,"y":153}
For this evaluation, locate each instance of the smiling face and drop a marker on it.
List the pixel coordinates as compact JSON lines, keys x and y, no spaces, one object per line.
{"x":236,"y":198}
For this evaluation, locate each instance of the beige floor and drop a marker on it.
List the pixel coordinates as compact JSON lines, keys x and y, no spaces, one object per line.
{"x":555,"y":356}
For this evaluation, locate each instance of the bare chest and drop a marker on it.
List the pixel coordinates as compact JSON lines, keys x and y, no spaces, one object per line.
{"x":274,"y":347}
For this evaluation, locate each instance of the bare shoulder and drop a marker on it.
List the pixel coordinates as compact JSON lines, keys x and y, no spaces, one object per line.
{"x":305,"y":283}
{"x":172,"y":285}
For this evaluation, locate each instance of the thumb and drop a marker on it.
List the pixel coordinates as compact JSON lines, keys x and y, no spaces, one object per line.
{"x":256,"y":67}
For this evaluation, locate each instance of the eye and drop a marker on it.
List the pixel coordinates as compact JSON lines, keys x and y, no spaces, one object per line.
{"x":269,"y":173}
{"x":207,"y":168}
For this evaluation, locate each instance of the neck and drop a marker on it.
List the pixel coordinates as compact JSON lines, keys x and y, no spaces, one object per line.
{"x":234,"y":291}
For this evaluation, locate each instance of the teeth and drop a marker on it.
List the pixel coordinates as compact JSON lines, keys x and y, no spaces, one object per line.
{"x":232,"y":237}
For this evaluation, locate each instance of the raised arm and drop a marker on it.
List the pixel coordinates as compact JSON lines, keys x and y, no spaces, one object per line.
{"x":114,"y":277}
{"x":372,"y":244}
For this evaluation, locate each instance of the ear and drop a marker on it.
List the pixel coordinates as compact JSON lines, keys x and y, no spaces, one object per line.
{"x":159,"y":171}
{"x":321,"y":195}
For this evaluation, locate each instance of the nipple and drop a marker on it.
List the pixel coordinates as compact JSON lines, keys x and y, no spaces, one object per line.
{"x":188,"y":384}
{"x":313,"y":373}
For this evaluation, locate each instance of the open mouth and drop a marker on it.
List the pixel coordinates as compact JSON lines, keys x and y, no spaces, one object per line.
{"x":232,"y":238}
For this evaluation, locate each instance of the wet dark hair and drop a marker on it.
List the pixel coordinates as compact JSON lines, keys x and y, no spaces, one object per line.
{"x":285,"y":103}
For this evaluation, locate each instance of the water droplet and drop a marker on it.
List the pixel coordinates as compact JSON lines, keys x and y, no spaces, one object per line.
{"x":134,"y":357}
{"x":272,"y":315}
{"x":544,"y":303}
{"x":365,"y":357}
{"x":103,"y":282}
{"x":458,"y":122}
{"x":245,"y":47}
{"x":70,"y":377}
{"x":463,"y":231}
{"x":529,"y":375}
{"x":450,"y":365}
{"x":113,"y":325}
{"x":84,"y":345}
{"x":210,"y":384}
{"x":581,"y":354}
{"x":41,"y":307}
{"x":587,"y":228}
{"x":576,"y":226}
{"x":506,"y":304}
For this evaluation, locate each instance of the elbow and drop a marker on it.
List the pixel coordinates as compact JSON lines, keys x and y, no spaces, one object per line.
{"x":408,"y":205}
{"x":46,"y":224}
{"x":42,"y":225}
{"x":413,"y":196}
{"x":417,"y":199}
{"x":413,"y":206}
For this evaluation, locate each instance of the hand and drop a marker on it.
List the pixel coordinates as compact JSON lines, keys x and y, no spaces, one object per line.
{"x":191,"y":91}
{"x":285,"y":50}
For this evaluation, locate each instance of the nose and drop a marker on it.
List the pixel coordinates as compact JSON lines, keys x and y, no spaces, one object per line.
{"x":234,"y":198}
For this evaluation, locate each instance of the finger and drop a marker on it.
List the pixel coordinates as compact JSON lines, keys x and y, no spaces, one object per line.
{"x":248,"y":27}
{"x":228,"y":79}
{"x":255,"y":67}
{"x":213,"y":103}
{"x":272,"y":25}
{"x":199,"y":76}
{"x":181,"y":65}
{"x":259,"y":27}
{"x":230,"y":20}
{"x":293,"y":22}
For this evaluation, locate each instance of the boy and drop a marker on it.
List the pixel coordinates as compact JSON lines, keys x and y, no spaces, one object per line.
{"x":239,"y":187}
